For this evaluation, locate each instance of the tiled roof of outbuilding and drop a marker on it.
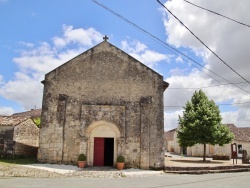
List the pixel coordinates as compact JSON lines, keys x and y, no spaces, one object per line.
{"x":169,"y":135}
{"x":240,"y":133}
{"x":12,"y":120}
{"x":32,"y":113}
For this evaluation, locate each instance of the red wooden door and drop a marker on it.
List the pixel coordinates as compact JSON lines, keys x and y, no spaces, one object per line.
{"x":98,"y":151}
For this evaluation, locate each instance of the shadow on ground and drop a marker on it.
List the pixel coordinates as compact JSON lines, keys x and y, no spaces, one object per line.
{"x":197,"y":161}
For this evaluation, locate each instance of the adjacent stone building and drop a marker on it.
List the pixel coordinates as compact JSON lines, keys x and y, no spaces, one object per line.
{"x":103,"y":103}
{"x":33,"y":113}
{"x":19,"y":135}
{"x":169,"y":136}
{"x":241,"y":138}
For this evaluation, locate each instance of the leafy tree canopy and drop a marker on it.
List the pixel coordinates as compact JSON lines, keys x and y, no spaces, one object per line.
{"x":201,"y":123}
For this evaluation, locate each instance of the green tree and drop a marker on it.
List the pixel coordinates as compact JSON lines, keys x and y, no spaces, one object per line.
{"x":201,"y":124}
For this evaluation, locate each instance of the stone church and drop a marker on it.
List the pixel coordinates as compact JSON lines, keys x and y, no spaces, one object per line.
{"x":103,"y":103}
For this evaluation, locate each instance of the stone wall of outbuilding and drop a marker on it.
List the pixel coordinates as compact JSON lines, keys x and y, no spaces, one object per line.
{"x":26,"y":137}
{"x":20,"y":140}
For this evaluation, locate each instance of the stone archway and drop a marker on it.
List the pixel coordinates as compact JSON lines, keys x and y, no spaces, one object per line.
{"x":101,"y":129}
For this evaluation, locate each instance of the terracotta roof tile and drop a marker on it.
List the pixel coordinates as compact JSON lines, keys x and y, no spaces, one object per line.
{"x":32,"y":113}
{"x":169,"y":135}
{"x":240,"y":133}
{"x":12,"y":120}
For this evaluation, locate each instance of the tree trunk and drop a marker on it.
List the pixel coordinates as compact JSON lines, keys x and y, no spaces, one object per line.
{"x":204,"y":153}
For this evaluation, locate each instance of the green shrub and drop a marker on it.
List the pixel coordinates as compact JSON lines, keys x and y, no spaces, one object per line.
{"x":221,"y":157}
{"x":82,"y":157}
{"x":37,"y":121}
{"x":120,"y":159}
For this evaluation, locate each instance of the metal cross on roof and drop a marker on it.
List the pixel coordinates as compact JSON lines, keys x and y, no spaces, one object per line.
{"x":105,"y":38}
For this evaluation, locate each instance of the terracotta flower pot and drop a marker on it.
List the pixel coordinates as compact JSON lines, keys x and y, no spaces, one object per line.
{"x":120,"y":166}
{"x":81,"y":164}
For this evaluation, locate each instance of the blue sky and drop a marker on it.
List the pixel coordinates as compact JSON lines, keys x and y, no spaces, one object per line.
{"x":37,"y":36}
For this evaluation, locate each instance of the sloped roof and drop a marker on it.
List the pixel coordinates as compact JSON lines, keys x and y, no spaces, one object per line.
{"x":105,"y":44}
{"x":240,"y":133}
{"x":12,"y":120}
{"x":33,"y":113}
{"x":169,"y":135}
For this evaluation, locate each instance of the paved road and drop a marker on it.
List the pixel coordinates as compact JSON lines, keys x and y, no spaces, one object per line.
{"x":226,"y":180}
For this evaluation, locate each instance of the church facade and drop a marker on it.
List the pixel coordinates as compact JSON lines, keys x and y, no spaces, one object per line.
{"x":103,"y":103}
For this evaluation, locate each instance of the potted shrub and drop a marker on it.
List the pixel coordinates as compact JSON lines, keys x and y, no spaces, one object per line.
{"x":120,"y":162}
{"x":81,"y":160}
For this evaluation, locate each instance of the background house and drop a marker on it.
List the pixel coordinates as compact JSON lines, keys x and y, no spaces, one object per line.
{"x":169,"y":135}
{"x":33,"y":113}
{"x":242,"y":139}
{"x":19,"y":135}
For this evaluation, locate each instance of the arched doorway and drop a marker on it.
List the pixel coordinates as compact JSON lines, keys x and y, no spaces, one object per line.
{"x":102,"y":143}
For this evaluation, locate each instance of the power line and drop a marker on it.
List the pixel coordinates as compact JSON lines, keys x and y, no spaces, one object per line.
{"x":202,"y":42}
{"x":225,"y":104}
{"x":206,"y":86}
{"x":161,"y":42}
{"x":165,"y":44}
{"x":234,"y":104}
{"x":217,"y":14}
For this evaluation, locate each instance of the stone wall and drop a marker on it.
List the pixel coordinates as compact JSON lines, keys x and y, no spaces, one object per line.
{"x":197,"y":149}
{"x":105,"y":84}
{"x":26,"y":137}
{"x":6,"y":137}
{"x":22,"y":139}
{"x":226,"y":149}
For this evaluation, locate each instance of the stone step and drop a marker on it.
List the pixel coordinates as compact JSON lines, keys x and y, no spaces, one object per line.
{"x":178,"y":168}
{"x":209,"y":171}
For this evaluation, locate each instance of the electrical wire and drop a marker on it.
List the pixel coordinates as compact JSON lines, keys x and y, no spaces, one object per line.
{"x":206,"y":86}
{"x":161,"y":42}
{"x":217,"y":13}
{"x":225,"y":104}
{"x":202,"y":42}
{"x":166,"y":45}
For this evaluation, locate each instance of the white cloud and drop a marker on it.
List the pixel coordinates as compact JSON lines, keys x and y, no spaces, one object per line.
{"x":1,"y":80}
{"x":228,"y":39}
{"x":86,"y":37}
{"x":35,"y":61}
{"x":6,"y":111}
{"x":42,"y":59}
{"x":59,"y":42}
{"x":140,"y":52}
{"x":171,"y":119}
{"x":240,"y":117}
{"x":179,"y":59}
{"x":24,"y":90}
{"x":134,"y":46}
{"x":222,"y":94}
{"x":27,"y":44}
{"x":175,"y":96}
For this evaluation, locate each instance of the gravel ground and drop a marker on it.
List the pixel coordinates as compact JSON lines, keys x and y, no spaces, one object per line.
{"x":58,"y":171}
{"x":22,"y":171}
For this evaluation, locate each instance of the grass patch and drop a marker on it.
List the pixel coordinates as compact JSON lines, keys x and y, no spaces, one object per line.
{"x":18,"y":161}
